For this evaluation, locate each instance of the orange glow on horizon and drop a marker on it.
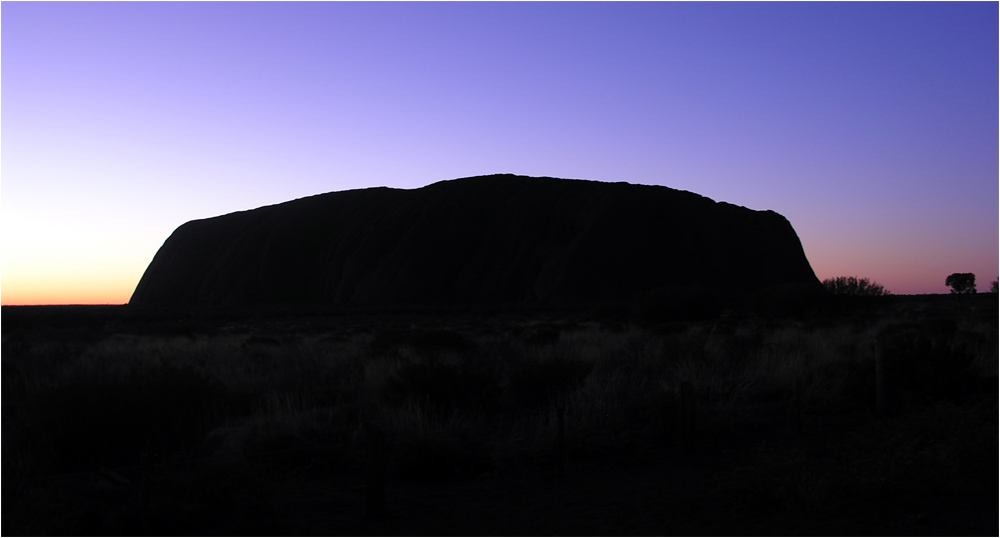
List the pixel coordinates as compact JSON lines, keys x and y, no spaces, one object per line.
{"x":19,"y":289}
{"x":58,"y":296}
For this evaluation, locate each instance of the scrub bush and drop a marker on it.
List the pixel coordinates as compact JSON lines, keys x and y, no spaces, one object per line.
{"x":443,"y":388}
{"x":93,"y":420}
{"x":852,"y":285}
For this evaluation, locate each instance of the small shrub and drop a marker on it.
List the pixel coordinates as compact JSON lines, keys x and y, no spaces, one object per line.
{"x":427,"y":340}
{"x":852,"y":285}
{"x":542,"y":336}
{"x":438,"y":456}
{"x":928,"y":362}
{"x":443,"y":388}
{"x":95,"y":420}
{"x":534,"y":384}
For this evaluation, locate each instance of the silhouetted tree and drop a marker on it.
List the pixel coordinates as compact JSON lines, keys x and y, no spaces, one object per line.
{"x":852,"y":285}
{"x":961,"y":282}
{"x":993,"y":286}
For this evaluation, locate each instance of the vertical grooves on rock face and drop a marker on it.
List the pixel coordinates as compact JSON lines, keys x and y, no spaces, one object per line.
{"x":486,"y":240}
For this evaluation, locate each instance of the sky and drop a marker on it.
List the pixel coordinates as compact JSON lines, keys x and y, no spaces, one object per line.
{"x":872,"y":127}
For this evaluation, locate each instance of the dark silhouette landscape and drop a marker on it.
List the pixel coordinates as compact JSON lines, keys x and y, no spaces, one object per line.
{"x":499,"y":355}
{"x":489,"y":240}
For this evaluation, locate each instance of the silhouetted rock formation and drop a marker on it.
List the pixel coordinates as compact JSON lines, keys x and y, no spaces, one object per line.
{"x":500,"y":239}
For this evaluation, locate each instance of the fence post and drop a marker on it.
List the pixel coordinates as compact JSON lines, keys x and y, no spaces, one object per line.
{"x":884,"y":397}
{"x":561,"y":444}
{"x":798,"y":405}
{"x":687,"y":418}
{"x":377,"y":456}
{"x":144,"y":479}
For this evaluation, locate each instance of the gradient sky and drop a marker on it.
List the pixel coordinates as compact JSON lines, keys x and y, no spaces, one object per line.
{"x":873,"y":127}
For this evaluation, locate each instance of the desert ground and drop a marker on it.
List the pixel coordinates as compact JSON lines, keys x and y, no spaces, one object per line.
{"x":857,"y":416}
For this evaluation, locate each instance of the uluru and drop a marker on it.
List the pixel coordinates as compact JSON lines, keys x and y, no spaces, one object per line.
{"x":488,"y":240}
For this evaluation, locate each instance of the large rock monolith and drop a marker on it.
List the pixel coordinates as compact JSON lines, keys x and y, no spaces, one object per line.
{"x":488,"y":240}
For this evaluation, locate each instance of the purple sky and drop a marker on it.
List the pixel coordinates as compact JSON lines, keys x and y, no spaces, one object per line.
{"x":873,"y":127}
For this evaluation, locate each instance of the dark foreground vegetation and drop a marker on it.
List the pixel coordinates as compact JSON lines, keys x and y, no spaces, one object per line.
{"x":862,"y":416}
